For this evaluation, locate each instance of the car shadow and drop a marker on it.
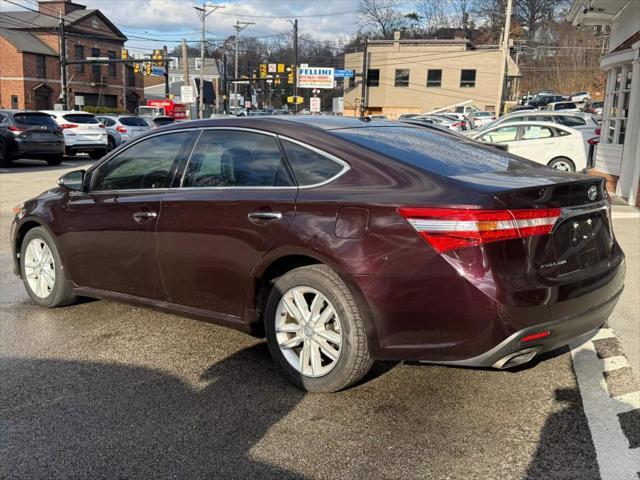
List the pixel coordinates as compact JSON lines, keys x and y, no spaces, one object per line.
{"x":108,"y":420}
{"x":27,"y":165}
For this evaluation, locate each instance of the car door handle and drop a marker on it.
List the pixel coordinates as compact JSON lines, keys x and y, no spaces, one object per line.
{"x":265,"y":215}
{"x":144,"y":215}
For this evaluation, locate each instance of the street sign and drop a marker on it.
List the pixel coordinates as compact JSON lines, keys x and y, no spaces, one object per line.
{"x":293,"y":99}
{"x":247,"y":104}
{"x":281,"y":68}
{"x":186,"y":94}
{"x":272,"y":68}
{"x":343,"y":73}
{"x":157,"y":71}
{"x":314,"y":104}
{"x":98,"y":58}
{"x":315,"y":77}
{"x":79,"y":100}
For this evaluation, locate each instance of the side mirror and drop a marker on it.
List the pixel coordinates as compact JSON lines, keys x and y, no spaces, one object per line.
{"x":72,"y":180}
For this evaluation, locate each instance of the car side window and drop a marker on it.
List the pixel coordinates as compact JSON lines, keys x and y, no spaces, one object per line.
{"x":310,"y":167}
{"x":4,"y":120}
{"x":571,"y":120}
{"x":235,"y":158}
{"x":146,"y":164}
{"x":501,"y":135}
{"x":534,"y":132}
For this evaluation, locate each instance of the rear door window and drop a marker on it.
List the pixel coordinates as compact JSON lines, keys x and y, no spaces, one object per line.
{"x":80,"y":118}
{"x":535,"y":132}
{"x":230,"y":158}
{"x":501,"y":135}
{"x":309,"y":166}
{"x":571,"y":120}
{"x":145,"y":165}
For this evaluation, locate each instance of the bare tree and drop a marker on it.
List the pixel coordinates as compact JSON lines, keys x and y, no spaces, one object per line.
{"x":381,"y":16}
{"x":434,"y":13}
{"x":462,"y":9}
{"x":534,"y":14}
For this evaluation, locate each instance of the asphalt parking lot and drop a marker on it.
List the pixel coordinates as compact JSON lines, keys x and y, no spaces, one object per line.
{"x":100,"y":389}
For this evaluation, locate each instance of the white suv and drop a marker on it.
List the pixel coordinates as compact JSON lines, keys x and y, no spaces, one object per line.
{"x":82,"y":132}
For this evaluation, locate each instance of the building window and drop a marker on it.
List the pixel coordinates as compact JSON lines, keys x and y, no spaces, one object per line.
{"x":373,"y":77}
{"x":352,"y":82}
{"x":95,"y":69}
{"x":41,"y":66}
{"x":14,"y":102}
{"x":616,"y":109}
{"x":79,"y":54}
{"x":112,"y":66}
{"x":467,"y":78}
{"x":434,"y":78}
{"x":402,"y":77}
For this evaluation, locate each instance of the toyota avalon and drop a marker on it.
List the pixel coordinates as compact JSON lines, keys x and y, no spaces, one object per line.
{"x":340,"y":241}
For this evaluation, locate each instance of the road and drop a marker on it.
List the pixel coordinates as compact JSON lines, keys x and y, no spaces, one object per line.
{"x":101,"y":389}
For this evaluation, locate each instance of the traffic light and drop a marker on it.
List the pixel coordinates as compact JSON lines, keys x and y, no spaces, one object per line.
{"x":148,"y":68}
{"x":125,"y":54}
{"x":276,"y":81}
{"x":291,"y":71}
{"x":136,"y":68}
{"x":263,"y":70}
{"x":158,"y":58}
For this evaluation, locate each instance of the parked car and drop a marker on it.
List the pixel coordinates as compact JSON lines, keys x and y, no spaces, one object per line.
{"x":594,"y":108}
{"x":156,"y":122}
{"x":480,"y":118}
{"x":475,"y":257}
{"x":545,"y":92}
{"x":580,"y":97}
{"x":466,"y":109}
{"x":460,"y":118}
{"x":441,"y":120}
{"x":377,"y":116}
{"x":82,"y":131}
{"x":524,"y":99}
{"x":586,"y":124}
{"x":520,"y":108}
{"x":27,"y":134}
{"x":541,"y":101}
{"x":121,"y":129}
{"x":556,"y":146}
{"x":564,"y":106}
{"x":405,"y":116}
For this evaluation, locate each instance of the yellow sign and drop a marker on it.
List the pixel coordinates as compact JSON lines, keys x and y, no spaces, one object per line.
{"x":293,"y":99}
{"x":281,"y":68}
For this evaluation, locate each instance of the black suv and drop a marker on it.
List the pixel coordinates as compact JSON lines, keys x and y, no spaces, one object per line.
{"x":27,"y":134}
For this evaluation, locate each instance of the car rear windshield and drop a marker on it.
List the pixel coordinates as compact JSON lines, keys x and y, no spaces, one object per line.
{"x":163,"y":121}
{"x":80,"y":118}
{"x":133,"y":122}
{"x":435,"y":152}
{"x":35,"y":119}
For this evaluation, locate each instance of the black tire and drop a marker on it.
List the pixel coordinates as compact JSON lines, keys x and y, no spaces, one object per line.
{"x":97,"y":154}
{"x":61,"y":294}
{"x":55,"y":160}
{"x":563,"y":164}
{"x":5,"y":160}
{"x":111,"y":144}
{"x":354,"y":360}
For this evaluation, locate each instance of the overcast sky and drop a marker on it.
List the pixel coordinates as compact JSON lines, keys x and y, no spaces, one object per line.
{"x":171,"y":20}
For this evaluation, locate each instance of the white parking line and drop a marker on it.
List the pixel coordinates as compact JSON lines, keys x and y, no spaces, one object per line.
{"x":615,"y":459}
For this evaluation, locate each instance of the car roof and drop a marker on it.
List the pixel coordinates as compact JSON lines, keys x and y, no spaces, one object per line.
{"x":66,"y":112}
{"x":537,"y":124}
{"x":546,"y":112}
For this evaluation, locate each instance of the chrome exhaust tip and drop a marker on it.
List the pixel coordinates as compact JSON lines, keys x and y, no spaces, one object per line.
{"x":517,"y":358}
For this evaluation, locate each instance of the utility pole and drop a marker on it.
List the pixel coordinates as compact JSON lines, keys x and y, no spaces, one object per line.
{"x":295,"y":65}
{"x":203,"y":13}
{"x":185,"y":71}
{"x":165,"y":52}
{"x":63,"y":65}
{"x":239,"y":26}
{"x":363,"y":86}
{"x":505,"y":53}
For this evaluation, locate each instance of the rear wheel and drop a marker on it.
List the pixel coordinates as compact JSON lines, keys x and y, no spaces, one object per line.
{"x":42,"y":272}
{"x":111,"y":144}
{"x":563,"y":164}
{"x":97,"y":154}
{"x":315,"y":331}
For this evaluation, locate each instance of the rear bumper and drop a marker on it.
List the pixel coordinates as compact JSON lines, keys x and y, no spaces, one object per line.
{"x":39,"y":149}
{"x":86,"y":147}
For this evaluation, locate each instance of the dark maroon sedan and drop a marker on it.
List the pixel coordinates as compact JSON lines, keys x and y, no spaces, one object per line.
{"x":340,"y":241}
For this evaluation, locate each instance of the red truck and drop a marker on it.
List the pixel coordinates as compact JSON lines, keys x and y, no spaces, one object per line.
{"x":163,"y":108}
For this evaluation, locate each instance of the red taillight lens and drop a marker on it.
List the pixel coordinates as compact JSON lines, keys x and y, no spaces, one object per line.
{"x":593,"y":141}
{"x":452,"y":228}
{"x":120,"y":129}
{"x":598,"y":131}
{"x":13,"y":128}
{"x":536,"y":336}
{"x":457,"y":124}
{"x":64,"y":126}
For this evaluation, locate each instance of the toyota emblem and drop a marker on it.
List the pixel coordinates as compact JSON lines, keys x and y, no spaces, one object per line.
{"x":592,"y":193}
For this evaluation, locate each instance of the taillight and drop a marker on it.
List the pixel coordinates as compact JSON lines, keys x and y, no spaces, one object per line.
{"x":120,"y":129}
{"x":593,"y":141}
{"x":457,"y":124}
{"x":598,"y":131}
{"x":13,"y":128}
{"x":64,"y":126}
{"x":452,"y":228}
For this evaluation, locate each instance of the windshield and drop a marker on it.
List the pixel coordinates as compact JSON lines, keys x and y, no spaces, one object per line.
{"x":432,"y":151}
{"x":150,"y":111}
{"x":35,"y":119}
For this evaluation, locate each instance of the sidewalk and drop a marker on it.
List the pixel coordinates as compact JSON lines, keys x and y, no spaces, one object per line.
{"x":625,"y":320}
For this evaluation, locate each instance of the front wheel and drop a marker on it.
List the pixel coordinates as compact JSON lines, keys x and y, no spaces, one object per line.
{"x":563,"y":164}
{"x":315,"y":330}
{"x":55,"y":160}
{"x":42,"y":272}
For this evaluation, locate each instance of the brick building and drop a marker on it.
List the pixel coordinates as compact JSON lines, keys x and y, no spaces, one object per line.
{"x":30,"y":67}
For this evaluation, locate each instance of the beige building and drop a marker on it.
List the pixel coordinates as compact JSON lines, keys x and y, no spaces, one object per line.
{"x":416,"y":76}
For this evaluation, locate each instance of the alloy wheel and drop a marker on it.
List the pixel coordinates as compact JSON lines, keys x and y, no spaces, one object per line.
{"x":562,"y":166}
{"x":40,"y":268}
{"x":308,"y":331}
